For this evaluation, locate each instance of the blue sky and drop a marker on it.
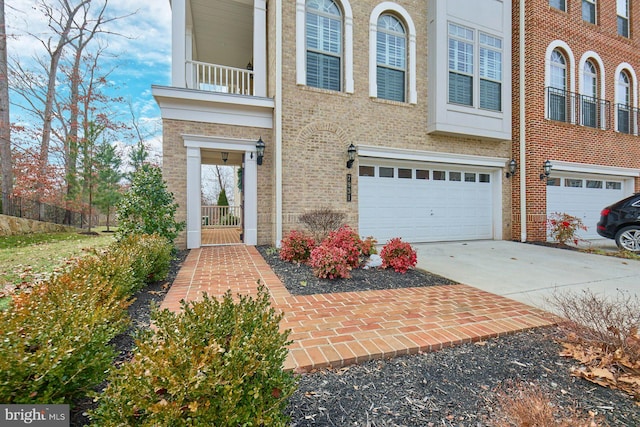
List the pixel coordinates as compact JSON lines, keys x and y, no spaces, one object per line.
{"x":142,"y":58}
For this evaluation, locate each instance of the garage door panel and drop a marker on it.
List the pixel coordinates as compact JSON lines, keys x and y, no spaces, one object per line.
{"x":423,"y":210}
{"x":582,"y":202}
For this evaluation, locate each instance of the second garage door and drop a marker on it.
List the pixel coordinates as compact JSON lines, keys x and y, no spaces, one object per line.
{"x":583,"y":196}
{"x":425,"y":203}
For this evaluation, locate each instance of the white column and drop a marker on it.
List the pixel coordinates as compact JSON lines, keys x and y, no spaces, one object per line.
{"x":250,"y":189}
{"x":189,"y":69}
{"x":193,"y":198}
{"x":260,"y":47}
{"x":178,"y":45}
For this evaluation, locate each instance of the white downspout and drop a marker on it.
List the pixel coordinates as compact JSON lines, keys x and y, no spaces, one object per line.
{"x":523,"y":128}
{"x":278,"y":122}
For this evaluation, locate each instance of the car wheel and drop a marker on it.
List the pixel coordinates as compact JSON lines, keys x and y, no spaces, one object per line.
{"x":629,"y":238}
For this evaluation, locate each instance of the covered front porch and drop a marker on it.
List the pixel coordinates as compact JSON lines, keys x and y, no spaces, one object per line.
{"x":220,"y":46}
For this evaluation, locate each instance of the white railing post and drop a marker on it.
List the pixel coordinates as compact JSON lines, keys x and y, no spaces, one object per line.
{"x":221,"y":216}
{"x":220,"y":78}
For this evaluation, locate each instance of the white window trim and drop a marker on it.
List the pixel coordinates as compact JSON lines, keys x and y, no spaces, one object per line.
{"x":627,"y":17}
{"x":373,"y":34}
{"x":594,"y":57}
{"x":571,"y":69}
{"x":595,"y":11}
{"x":633,"y":91}
{"x":301,"y":48}
{"x":476,"y":78}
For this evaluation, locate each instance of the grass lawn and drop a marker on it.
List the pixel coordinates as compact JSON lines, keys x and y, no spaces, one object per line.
{"x":29,"y":257}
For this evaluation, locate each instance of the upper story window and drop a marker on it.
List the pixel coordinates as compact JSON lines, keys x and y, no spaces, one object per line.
{"x":623,"y":100}
{"x":324,"y":44}
{"x":462,"y":68}
{"x":391,"y":58}
{"x":589,"y":104}
{"x":558,"y":4}
{"x":558,"y":87}
{"x":589,"y":11}
{"x":461,"y":42}
{"x":622,"y":10}
{"x":490,"y":72}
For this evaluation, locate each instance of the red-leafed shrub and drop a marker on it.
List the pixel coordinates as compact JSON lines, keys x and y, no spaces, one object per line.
{"x":398,"y":255}
{"x":348,"y":240}
{"x":564,"y":228}
{"x":368,"y":246}
{"x":296,"y":247}
{"x":330,"y":262}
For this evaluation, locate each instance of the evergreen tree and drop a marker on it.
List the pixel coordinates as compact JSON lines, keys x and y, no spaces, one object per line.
{"x":148,"y":207}
{"x":108,"y":190}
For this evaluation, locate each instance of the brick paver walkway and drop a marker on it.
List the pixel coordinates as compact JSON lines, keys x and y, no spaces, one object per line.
{"x":343,"y":328}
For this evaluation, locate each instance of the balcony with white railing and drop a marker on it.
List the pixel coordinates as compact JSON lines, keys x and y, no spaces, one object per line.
{"x":219,"y":78}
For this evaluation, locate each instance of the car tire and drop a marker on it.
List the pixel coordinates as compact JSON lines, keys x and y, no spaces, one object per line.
{"x":628,"y":238}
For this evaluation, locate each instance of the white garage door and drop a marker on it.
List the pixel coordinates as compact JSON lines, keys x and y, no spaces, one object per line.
{"x":425,"y":203}
{"x":583,"y":197}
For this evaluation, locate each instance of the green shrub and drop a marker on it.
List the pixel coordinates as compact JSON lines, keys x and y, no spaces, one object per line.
{"x":55,"y":344}
{"x":148,"y":255}
{"x":214,"y":364}
{"x":148,"y":207}
{"x":55,"y":339}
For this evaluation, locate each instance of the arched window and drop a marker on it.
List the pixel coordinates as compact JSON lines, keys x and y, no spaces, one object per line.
{"x":391,"y":58}
{"x":558,"y":105}
{"x":324,"y":44}
{"x":623,"y":98}
{"x":589,"y":95}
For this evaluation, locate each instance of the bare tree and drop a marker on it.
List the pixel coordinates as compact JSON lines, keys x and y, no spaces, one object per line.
{"x":5,"y":120}
{"x":75,"y":25}
{"x":61,"y":21}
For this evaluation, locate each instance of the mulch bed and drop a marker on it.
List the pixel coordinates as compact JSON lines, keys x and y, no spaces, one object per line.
{"x":300,"y":280}
{"x":456,"y":386}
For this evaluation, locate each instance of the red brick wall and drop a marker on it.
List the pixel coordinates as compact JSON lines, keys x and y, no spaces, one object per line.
{"x":546,"y":139}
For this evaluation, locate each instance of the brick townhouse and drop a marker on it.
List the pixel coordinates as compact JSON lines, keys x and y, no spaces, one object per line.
{"x":575,"y":103}
{"x":404,"y":115}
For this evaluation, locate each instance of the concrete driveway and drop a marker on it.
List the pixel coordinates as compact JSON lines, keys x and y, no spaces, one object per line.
{"x":528,"y":273}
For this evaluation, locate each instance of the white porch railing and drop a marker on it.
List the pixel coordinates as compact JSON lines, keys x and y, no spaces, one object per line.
{"x":219,"y":78}
{"x":221,"y":216}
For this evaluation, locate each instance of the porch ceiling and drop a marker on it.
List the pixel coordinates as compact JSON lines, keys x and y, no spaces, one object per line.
{"x":210,"y":157}
{"x":222,"y":31}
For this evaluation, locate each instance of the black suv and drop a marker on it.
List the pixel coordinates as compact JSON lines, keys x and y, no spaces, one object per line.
{"x":621,"y":221}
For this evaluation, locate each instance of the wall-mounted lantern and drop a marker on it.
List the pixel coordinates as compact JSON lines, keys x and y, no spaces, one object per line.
{"x":513,"y":165}
{"x":225,"y":156}
{"x":260,"y":150}
{"x":546,"y":170}
{"x":351,"y":155}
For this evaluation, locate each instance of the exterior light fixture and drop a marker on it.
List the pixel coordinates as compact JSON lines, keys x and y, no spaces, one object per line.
{"x":351,"y":153}
{"x":260,"y":150}
{"x":512,"y":168}
{"x":546,"y":167}
{"x":225,"y":156}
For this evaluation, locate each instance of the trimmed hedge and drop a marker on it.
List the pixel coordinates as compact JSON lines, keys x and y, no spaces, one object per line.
{"x":55,"y":339}
{"x":216,"y":363}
